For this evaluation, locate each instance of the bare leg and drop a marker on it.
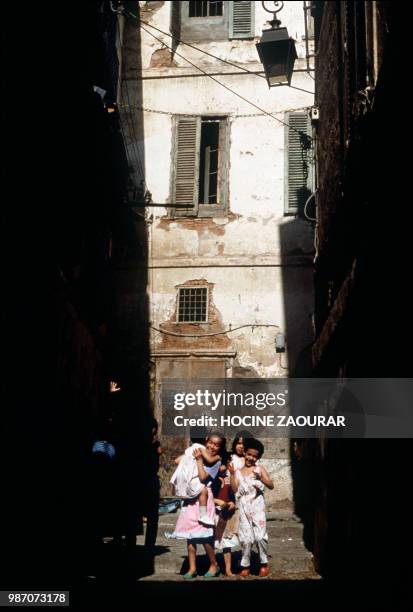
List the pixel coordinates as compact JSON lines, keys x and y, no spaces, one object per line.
{"x":192,"y":558}
{"x":203,"y":510}
{"x":213,"y":565}
{"x":227,"y":561}
{"x":203,"y":497}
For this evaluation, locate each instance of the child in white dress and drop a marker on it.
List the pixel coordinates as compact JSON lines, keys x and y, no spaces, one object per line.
{"x":248,"y":484}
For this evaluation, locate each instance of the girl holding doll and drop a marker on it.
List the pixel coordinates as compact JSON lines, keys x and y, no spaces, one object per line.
{"x":190,"y":525}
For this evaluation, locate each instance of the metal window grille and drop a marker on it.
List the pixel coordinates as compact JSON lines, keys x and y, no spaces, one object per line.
{"x":205,"y":9}
{"x":192,"y":305}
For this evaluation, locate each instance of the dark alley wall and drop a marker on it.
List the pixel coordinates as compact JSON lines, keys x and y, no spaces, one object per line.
{"x":363,"y":259}
{"x":69,"y":236}
{"x":351,"y":493}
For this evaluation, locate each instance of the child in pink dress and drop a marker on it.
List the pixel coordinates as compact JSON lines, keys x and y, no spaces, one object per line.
{"x":186,"y":480}
{"x":188,"y":525}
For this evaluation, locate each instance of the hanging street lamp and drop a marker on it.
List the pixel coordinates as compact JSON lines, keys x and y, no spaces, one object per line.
{"x":277,"y":51}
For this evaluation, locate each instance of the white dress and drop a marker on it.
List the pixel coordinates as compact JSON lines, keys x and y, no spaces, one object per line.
{"x":250,"y":501}
{"x":186,"y":479}
{"x":237,"y":461}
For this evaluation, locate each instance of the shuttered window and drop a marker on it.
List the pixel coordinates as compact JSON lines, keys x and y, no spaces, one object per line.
{"x":186,"y":164}
{"x":203,"y":21}
{"x":298,"y":162}
{"x":200,"y":166}
{"x":241,"y":19}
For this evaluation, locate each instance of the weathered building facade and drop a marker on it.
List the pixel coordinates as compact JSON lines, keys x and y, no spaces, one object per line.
{"x":230,"y":253}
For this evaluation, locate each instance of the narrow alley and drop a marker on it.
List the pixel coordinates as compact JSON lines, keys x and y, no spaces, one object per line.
{"x":213,"y":194}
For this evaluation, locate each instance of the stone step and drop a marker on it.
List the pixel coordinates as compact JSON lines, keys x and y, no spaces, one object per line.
{"x":288,"y":557}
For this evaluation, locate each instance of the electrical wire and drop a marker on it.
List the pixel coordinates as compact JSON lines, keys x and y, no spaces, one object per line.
{"x":212,"y":55}
{"x":131,"y":127}
{"x":301,"y":89}
{"x":174,"y":114}
{"x":130,"y":123}
{"x":262,"y":112}
{"x":227,"y":331}
{"x":182,"y":42}
{"x":124,"y":143}
{"x":128,"y":158}
{"x":225,"y":86}
{"x":306,"y":204}
{"x":281,"y":365}
{"x":128,"y":14}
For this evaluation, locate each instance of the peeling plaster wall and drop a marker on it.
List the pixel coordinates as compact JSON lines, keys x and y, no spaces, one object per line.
{"x":257,"y":260}
{"x":246,"y":296}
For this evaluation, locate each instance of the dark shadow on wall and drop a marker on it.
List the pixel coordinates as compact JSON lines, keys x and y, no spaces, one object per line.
{"x":76,"y":309}
{"x":296,"y":237}
{"x":128,"y":337}
{"x":352,"y":493}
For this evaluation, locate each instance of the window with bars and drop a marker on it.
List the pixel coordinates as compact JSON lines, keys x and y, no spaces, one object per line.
{"x":200,"y":166}
{"x":192,"y":305}
{"x":298,"y":165}
{"x":203,"y":21}
{"x":205,"y":9}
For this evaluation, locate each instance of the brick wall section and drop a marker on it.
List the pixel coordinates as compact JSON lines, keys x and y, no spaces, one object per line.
{"x":336,"y":314}
{"x":329,"y":158}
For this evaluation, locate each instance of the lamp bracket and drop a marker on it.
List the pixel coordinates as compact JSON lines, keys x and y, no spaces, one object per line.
{"x":275,"y":23}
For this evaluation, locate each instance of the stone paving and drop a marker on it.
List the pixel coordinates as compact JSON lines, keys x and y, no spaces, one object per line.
{"x":288,"y":557}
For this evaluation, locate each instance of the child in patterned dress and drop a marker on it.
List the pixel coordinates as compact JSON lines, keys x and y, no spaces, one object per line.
{"x":248,"y":484}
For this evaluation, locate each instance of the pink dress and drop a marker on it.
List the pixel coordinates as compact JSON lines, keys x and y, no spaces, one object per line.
{"x":188,"y":526}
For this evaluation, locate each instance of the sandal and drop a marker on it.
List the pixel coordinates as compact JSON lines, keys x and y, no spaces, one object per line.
{"x":245,"y":572}
{"x":189,"y":576}
{"x":210,"y":575}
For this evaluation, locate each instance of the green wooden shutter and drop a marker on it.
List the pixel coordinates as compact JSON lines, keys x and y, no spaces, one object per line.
{"x":186,"y":164}
{"x":241,"y":19}
{"x":298,"y":161}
